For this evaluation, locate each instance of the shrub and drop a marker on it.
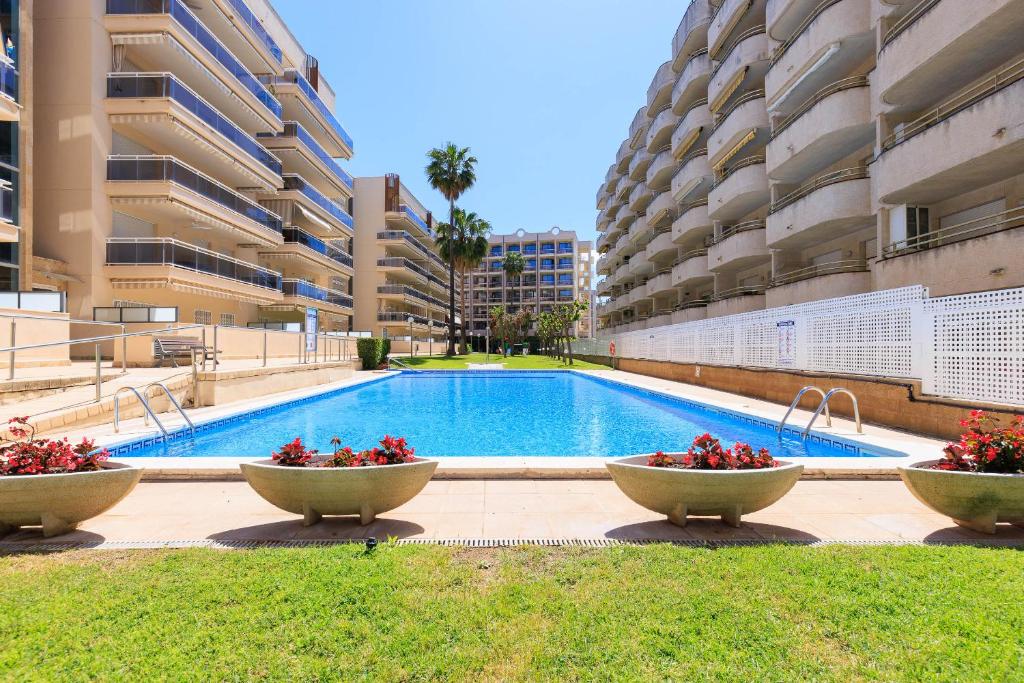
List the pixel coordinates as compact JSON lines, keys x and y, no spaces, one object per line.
{"x":29,"y":455}
{"x":707,"y":453}
{"x":373,"y":351}
{"x":391,"y":451}
{"x":986,"y":447}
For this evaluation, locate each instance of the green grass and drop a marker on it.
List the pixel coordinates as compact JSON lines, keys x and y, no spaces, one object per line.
{"x":432,"y":613}
{"x":533,"y":362}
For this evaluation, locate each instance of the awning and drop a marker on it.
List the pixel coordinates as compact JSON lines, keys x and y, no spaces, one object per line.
{"x":750,"y":135}
{"x":728,"y":90}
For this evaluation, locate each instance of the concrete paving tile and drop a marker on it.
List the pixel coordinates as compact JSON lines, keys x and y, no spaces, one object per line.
{"x":529,"y":525}
{"x":513,"y":503}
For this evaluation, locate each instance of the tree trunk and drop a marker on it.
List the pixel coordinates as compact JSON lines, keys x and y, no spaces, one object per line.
{"x":462,"y":278}
{"x":451,"y":289}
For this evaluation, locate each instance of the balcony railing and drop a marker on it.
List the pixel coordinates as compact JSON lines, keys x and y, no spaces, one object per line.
{"x":166,"y":85}
{"x":294,"y":130}
{"x":831,"y":89}
{"x":293,"y":76}
{"x":808,"y":20}
{"x":727,"y":51}
{"x":9,"y":80}
{"x":146,"y":168}
{"x":402,"y":262}
{"x":840,"y":176}
{"x":191,"y":24}
{"x":742,"y":99}
{"x":736,"y":229}
{"x":849,"y":266}
{"x":403,"y":317}
{"x":7,"y":202}
{"x":307,"y":290}
{"x":297,"y":183}
{"x":732,"y":293}
{"x":908,"y":20}
{"x":410,"y":291}
{"x":247,"y":17}
{"x":299,"y":236}
{"x":419,"y":222}
{"x":978,"y":227}
{"x":419,"y":246}
{"x":165,"y":251}
{"x":1003,"y":78}
{"x":723,"y":174}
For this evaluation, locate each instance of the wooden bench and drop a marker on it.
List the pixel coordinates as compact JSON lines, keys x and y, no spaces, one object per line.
{"x":172,"y":348}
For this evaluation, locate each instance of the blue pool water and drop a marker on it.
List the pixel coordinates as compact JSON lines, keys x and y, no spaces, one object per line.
{"x":489,"y":414}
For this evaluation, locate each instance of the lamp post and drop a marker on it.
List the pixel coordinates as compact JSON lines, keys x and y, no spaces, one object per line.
{"x":487,"y":358}
{"x":410,"y":319}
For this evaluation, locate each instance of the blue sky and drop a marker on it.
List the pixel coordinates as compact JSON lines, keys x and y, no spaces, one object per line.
{"x":542,"y":91}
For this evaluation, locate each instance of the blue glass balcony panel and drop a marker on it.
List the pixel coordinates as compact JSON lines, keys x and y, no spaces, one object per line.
{"x":296,"y":182}
{"x":294,"y":130}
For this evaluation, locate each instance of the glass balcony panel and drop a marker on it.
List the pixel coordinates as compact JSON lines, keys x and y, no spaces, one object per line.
{"x":246,"y":15}
{"x":293,"y":76}
{"x":294,"y":130}
{"x":162,"y":251}
{"x":298,"y":236}
{"x":297,"y":183}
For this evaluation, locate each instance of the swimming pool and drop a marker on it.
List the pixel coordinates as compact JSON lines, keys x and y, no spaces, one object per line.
{"x":476,"y":413}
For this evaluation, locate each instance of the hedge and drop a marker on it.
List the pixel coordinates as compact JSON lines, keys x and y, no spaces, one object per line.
{"x":373,"y":351}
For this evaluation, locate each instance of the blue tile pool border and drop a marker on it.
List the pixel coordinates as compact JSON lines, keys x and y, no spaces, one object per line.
{"x":855,"y":449}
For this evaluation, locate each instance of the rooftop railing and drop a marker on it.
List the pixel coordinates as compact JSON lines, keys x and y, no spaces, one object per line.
{"x":191,"y":24}
{"x":149,"y":168}
{"x":298,"y":236}
{"x":977,"y":227}
{"x":307,"y":290}
{"x":166,"y":85}
{"x":824,"y":180}
{"x":166,"y":251}
{"x":807,"y":105}
{"x":297,"y":183}
{"x":293,"y":76}
{"x":293,"y":129}
{"x":819,"y":269}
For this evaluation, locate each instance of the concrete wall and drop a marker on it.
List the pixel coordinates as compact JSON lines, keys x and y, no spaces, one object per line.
{"x":52,"y":327}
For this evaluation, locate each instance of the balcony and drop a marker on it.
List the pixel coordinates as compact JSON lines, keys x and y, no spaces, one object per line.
{"x":729,"y":19}
{"x":827,"y":207}
{"x":165,"y":263}
{"x":9,"y":232}
{"x":736,"y":300}
{"x":692,"y":269}
{"x":692,"y":32}
{"x":692,"y":83}
{"x":638,"y":167}
{"x":820,"y":281}
{"x":401,"y":319}
{"x":659,"y":92}
{"x":952,"y":234}
{"x":662,"y":210}
{"x":305,"y":156}
{"x":835,"y":38}
{"x":10,"y":110}
{"x":302,"y":293}
{"x":242,"y":33}
{"x":660,"y":133}
{"x":407,"y":219}
{"x":302,"y":103}
{"x":624,"y":220}
{"x":623,"y":157}
{"x":661,"y":284}
{"x":410,"y":295}
{"x":639,"y":265}
{"x":689,"y":311}
{"x":638,"y":129}
{"x":405,"y":243}
{"x":693,"y":223}
{"x":743,"y":122}
{"x":639,"y":232}
{"x":162,"y":189}
{"x":662,"y":247}
{"x":662,"y":169}
{"x":691,"y":128}
{"x":980,"y":136}
{"x":832,"y":124}
{"x":739,"y":189}
{"x":639,"y":198}
{"x":164,"y":110}
{"x":693,"y":178}
{"x":743,"y":66}
{"x":937,"y":48}
{"x":165,"y":34}
{"x":738,"y":247}
{"x":327,"y":212}
{"x":313,"y":250}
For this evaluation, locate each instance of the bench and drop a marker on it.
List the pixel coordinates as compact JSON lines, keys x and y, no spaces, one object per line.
{"x":172,"y":348}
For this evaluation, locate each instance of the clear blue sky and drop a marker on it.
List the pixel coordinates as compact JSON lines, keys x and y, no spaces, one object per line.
{"x":542,"y":91}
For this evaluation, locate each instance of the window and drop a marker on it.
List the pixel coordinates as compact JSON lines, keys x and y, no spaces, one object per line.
{"x":203,"y":317}
{"x":227,"y":319}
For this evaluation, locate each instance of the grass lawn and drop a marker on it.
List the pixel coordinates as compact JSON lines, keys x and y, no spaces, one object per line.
{"x":511,"y":363}
{"x":427,"y":612}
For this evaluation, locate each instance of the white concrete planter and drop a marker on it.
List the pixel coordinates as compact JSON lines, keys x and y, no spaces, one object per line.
{"x":974,"y":500}
{"x":317,"y":491}
{"x":60,"y":502}
{"x":677,"y":493}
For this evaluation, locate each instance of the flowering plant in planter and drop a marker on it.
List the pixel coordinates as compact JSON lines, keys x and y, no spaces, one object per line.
{"x":392,"y":451}
{"x":26,"y":455}
{"x":986,"y":446}
{"x":707,"y":453}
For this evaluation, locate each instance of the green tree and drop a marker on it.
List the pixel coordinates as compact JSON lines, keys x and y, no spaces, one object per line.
{"x":513,"y":264}
{"x":463,"y":245}
{"x":451,"y":171}
{"x":510,"y":328}
{"x":567,"y":315}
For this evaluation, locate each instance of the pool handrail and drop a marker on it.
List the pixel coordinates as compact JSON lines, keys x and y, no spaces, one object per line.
{"x":824,"y":406}
{"x":796,"y":401}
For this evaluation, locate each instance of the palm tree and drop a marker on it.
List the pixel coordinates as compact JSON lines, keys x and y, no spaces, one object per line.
{"x":513,"y":264}
{"x":463,"y":247}
{"x":451,"y":171}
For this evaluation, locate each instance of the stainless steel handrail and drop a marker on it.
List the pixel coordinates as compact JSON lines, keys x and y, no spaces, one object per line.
{"x":174,"y":402}
{"x":824,"y":406}
{"x":145,"y":405}
{"x":796,"y":401}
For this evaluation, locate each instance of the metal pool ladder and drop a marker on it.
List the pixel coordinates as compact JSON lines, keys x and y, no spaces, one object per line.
{"x":796,"y":401}
{"x":146,"y":407}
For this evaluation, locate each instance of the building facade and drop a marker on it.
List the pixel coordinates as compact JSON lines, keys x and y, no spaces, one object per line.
{"x":186,"y":155}
{"x":401,"y":283}
{"x":795,"y":150}
{"x":15,"y":150}
{"x":558,"y":270}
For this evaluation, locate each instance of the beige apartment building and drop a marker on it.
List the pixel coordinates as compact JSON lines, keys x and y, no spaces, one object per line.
{"x":558,"y":270}
{"x":186,"y":155}
{"x":795,"y":150}
{"x":401,"y":284}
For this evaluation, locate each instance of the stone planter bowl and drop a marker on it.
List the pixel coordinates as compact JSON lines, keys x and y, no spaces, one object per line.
{"x":60,"y":502}
{"x":974,"y":500}
{"x":317,"y":491}
{"x":677,"y":493}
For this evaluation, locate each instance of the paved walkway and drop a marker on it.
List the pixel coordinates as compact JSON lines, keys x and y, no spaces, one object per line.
{"x":845,"y":511}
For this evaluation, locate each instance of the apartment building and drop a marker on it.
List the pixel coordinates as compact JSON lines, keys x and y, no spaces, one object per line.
{"x":401,"y":283}
{"x":795,"y":150}
{"x":186,"y":155}
{"x":15,"y":151}
{"x":558,"y":270}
